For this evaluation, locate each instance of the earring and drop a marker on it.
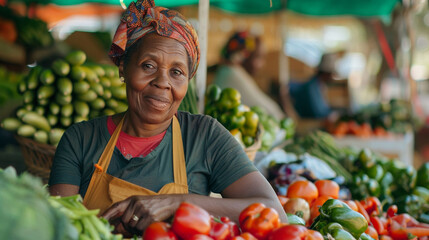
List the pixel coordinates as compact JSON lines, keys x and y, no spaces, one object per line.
{"x":122,"y":79}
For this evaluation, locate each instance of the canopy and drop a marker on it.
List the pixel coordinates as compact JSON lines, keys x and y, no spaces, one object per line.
{"x":365,"y":8}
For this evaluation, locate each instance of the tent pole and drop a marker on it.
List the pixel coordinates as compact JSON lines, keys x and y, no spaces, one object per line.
{"x":201,"y":76}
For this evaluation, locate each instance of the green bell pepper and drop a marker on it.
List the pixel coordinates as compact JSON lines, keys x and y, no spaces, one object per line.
{"x":295,"y":220}
{"x":410,"y":204}
{"x":341,"y":234}
{"x":336,"y":211}
{"x":423,"y":175}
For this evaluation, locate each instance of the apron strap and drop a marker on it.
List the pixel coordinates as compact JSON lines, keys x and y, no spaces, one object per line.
{"x":179,"y":164}
{"x":106,"y":156}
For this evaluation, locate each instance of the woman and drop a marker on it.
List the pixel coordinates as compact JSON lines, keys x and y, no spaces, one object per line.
{"x":138,"y":166}
{"x":243,"y":56}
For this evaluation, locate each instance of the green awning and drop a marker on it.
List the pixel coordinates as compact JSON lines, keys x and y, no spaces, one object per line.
{"x":364,"y":8}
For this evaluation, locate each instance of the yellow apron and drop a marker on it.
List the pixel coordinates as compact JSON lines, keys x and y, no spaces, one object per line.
{"x":105,"y":189}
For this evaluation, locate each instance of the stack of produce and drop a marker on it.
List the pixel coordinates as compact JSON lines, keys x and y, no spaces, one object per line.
{"x":377,"y":120}
{"x":28,"y":212}
{"x":8,"y":85}
{"x":272,"y":127}
{"x":225,"y":105}
{"x":68,"y":92}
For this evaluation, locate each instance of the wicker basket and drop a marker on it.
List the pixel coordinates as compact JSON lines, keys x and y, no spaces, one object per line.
{"x":251,"y":150}
{"x":37,"y":157}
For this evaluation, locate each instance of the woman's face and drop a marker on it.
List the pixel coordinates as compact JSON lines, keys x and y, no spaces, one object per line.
{"x":156,"y":76}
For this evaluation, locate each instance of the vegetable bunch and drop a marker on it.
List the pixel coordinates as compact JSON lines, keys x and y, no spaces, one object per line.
{"x":69,"y":91}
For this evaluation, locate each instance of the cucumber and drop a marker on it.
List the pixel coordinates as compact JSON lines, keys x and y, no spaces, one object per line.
{"x":28,"y":96}
{"x":119,"y":92}
{"x":91,"y":76}
{"x":55,"y":136}
{"x":43,"y":102}
{"x":47,"y":77}
{"x":67,"y":110}
{"x":22,"y":87}
{"x":54,"y":108}
{"x":107,"y":94}
{"x":76,"y":57}
{"x":65,"y":86}
{"x":20,"y":112}
{"x":33,"y":77}
{"x":60,"y":67}
{"x":26,"y":130}
{"x":29,"y":107}
{"x":81,"y":108}
{"x":80,"y":87}
{"x":80,"y":119}
{"x":11,"y":124}
{"x":116,"y":82}
{"x":39,"y":110}
{"x":45,"y":92}
{"x":66,"y":121}
{"x":98,"y":104}
{"x":105,"y":82}
{"x":112,"y":103}
{"x":108,"y":112}
{"x":41,"y":136}
{"x":88,"y":96}
{"x":98,"y":70}
{"x":36,"y":120}
{"x":52,"y":119}
{"x":63,"y":99}
{"x":97,"y":87}
{"x":77,"y":73}
{"x":122,"y":107}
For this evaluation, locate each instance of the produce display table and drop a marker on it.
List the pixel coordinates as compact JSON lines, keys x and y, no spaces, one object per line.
{"x":400,"y":146}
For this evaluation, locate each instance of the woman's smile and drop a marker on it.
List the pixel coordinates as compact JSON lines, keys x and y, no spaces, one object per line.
{"x":157,"y":102}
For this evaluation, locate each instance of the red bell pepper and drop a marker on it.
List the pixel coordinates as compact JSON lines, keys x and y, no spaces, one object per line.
{"x":234,"y":230}
{"x":372,"y":206}
{"x":190,"y":220}
{"x":219,"y":230}
{"x":392,"y":210}
{"x":361,"y":210}
{"x":370,"y":230}
{"x":403,"y":226}
{"x":245,"y":236}
{"x":290,"y":232}
{"x":380,"y":224}
{"x":259,"y":220}
{"x":159,"y":231}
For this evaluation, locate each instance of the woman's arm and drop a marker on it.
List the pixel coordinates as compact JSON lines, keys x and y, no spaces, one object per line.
{"x":63,"y":190}
{"x":249,"y":189}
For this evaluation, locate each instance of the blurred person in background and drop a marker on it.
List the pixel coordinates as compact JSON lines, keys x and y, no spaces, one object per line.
{"x":242,"y":57}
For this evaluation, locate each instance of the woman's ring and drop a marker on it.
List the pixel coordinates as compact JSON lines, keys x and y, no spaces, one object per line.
{"x":135,"y":218}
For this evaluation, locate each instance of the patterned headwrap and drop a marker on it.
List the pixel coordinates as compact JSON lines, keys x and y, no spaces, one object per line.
{"x":239,"y":41}
{"x":142,"y":18}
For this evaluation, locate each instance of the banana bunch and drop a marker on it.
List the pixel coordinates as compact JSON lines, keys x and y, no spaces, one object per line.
{"x":68,"y":92}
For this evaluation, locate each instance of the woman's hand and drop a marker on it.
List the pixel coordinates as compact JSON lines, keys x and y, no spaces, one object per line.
{"x":134,"y":214}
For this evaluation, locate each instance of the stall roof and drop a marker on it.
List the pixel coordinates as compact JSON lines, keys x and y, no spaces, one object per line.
{"x":309,"y":7}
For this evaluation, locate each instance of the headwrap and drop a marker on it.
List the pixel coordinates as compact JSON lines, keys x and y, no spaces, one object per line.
{"x":142,"y":18}
{"x":239,"y":41}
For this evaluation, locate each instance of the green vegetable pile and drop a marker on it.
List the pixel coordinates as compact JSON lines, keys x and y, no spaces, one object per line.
{"x":28,"y":212}
{"x":68,"y":92}
{"x":225,"y":105}
{"x":8,"y":85}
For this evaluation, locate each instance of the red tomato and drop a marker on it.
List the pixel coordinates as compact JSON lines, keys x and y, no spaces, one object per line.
{"x":259,"y":220}
{"x":327,"y":187}
{"x":290,"y":232}
{"x":159,"y":231}
{"x":190,"y":220}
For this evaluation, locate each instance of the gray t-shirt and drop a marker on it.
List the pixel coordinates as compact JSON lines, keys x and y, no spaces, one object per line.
{"x":214,"y":159}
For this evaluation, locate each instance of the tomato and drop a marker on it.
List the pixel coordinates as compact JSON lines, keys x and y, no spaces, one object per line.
{"x":392,"y":210}
{"x":313,"y":235}
{"x":371,"y":231}
{"x":200,"y":237}
{"x":327,"y":188}
{"x":258,"y":220}
{"x":190,"y":220}
{"x":159,"y":231}
{"x":298,"y":206}
{"x":290,"y":232}
{"x":303,"y":189}
{"x":245,"y":236}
